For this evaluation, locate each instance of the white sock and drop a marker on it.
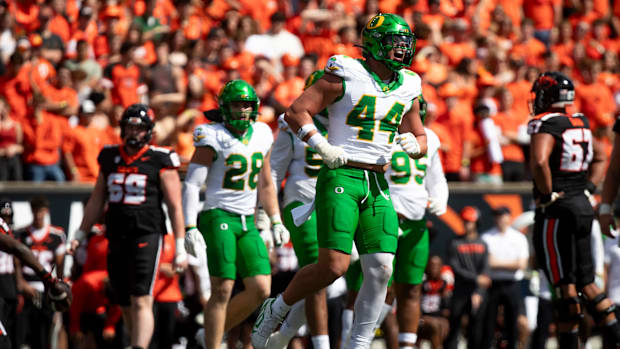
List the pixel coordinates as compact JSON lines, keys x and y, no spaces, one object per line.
{"x":295,"y":318}
{"x":377,"y":269}
{"x":279,"y":307}
{"x":385,"y":310}
{"x":320,"y":342}
{"x":407,"y":337}
{"x":347,"y":325}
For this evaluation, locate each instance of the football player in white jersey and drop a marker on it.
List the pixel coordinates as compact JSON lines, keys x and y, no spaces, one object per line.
{"x":372,"y":104}
{"x":416,"y":185}
{"x":232,"y":158}
{"x":302,"y":163}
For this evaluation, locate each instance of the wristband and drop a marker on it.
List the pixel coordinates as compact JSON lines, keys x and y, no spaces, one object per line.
{"x":275,"y":219}
{"x":189,"y":227}
{"x":604,"y":209}
{"x":305,"y":130}
{"x":180,"y":246}
{"x":315,"y":140}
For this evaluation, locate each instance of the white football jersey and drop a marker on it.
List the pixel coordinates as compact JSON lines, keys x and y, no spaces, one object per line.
{"x":365,"y":120}
{"x":291,"y":154}
{"x":412,"y":182}
{"x":233,"y":175}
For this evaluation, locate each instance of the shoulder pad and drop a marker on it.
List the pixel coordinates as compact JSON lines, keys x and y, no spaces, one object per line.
{"x":550,"y":116}
{"x":411,"y":82}
{"x":57,"y":230}
{"x":160,"y":149}
{"x":262,"y":128}
{"x":341,"y":65}
{"x":205,"y":135}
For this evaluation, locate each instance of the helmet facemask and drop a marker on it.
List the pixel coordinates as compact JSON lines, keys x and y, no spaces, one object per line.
{"x":398,"y":50}
{"x":387,"y":38}
{"x":241,"y":114}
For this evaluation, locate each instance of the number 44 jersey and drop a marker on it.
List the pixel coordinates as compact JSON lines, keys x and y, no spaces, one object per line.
{"x":134,"y":189}
{"x":233,"y":175}
{"x":365,"y":120}
{"x":572,"y":152}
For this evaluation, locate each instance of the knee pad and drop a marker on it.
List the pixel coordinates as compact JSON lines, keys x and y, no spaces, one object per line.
{"x":598,"y":315}
{"x":565,"y":309}
{"x":379,"y":265}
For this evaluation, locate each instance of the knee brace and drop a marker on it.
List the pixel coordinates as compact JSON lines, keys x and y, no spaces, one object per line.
{"x":566,"y":309}
{"x":598,"y":315}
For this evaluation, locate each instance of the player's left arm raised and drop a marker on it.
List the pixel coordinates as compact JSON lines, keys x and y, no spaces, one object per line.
{"x":171,"y":188}
{"x":269,"y":199}
{"x":412,"y":136}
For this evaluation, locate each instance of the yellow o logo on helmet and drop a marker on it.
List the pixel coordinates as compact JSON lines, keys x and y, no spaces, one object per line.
{"x":375,"y":22}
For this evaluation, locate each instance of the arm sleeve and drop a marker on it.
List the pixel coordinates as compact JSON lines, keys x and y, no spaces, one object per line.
{"x":436,"y":183}
{"x":491,"y":135}
{"x":196,"y":175}
{"x":281,"y":157}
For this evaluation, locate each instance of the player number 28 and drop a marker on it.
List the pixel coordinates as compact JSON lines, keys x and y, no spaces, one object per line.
{"x":238,"y":166}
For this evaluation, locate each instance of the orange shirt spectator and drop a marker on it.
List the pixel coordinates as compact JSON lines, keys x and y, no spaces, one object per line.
{"x":59,"y":26}
{"x":43,"y":137}
{"x":596,"y":101}
{"x":89,"y":297}
{"x":459,"y":120}
{"x":96,"y":251}
{"x":127,"y":81}
{"x":84,"y":144}
{"x":166,"y":287}
{"x":456,"y":51}
{"x":513,"y":10}
{"x":26,"y":14}
{"x":40,"y":73}
{"x":510,"y":124}
{"x":542,"y":12}
{"x":531,"y":50}
{"x":480,"y":162}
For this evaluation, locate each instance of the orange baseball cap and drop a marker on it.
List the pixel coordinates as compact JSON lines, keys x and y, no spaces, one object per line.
{"x":470,"y":214}
{"x":289,"y":61}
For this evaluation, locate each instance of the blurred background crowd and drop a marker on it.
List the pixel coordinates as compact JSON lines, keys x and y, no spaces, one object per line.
{"x":69,"y":67}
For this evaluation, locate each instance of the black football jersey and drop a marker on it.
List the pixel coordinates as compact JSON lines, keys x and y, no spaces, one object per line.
{"x":133,"y":188}
{"x":572,"y":152}
{"x":45,"y":247}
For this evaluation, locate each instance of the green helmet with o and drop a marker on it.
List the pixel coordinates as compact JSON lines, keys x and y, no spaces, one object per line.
{"x":384,"y":32}
{"x":238,"y":91}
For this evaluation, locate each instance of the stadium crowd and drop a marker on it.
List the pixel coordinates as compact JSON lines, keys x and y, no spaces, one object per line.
{"x":70,"y":68}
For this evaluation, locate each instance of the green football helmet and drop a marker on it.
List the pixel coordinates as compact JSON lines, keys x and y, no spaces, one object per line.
{"x":384,"y":32}
{"x":238,"y":91}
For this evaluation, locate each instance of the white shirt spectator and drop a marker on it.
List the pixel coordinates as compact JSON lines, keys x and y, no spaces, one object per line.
{"x":612,"y":262}
{"x":508,"y":247}
{"x":275,"y":45}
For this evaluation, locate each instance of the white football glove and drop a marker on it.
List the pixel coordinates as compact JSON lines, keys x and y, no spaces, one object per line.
{"x":409,"y":144}
{"x":267,"y":237}
{"x":281,"y":235}
{"x":195,"y":243}
{"x":435,"y":207}
{"x":332,"y":155}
